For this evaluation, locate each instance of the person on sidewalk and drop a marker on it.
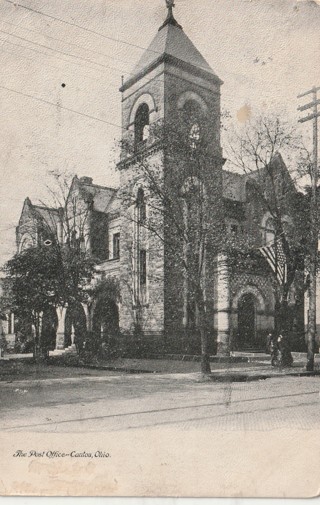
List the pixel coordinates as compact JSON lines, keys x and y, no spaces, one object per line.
{"x":268,"y":343}
{"x":286,"y":358}
{"x":274,"y":350}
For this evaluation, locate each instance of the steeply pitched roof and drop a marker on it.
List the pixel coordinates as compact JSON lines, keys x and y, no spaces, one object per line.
{"x":102,"y":195}
{"x":114,"y":206}
{"x":170,"y":41}
{"x":173,"y":41}
{"x":50,"y":216}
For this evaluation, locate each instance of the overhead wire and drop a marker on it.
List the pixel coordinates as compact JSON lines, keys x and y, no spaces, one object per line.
{"x":23,"y":56}
{"x":61,"y":107}
{"x":108,"y":37}
{"x":68,"y":43}
{"x":98,"y":33}
{"x":70,"y":54}
{"x":61,"y":52}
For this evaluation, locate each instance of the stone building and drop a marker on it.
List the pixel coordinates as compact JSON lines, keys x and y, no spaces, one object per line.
{"x":171,"y":81}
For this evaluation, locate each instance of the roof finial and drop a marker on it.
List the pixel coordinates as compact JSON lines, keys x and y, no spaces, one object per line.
{"x":170,"y":5}
{"x":170,"y":17}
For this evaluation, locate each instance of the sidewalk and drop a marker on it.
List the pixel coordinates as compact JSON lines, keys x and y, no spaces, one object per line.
{"x":255,"y":366}
{"x":239,"y":367}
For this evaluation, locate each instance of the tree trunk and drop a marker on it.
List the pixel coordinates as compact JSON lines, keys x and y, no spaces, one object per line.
{"x":284,"y":318}
{"x":37,"y":338}
{"x":205,"y":358}
{"x":36,"y":350}
{"x":311,"y":334}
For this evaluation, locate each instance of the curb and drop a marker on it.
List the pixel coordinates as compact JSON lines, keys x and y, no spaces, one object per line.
{"x":115,"y":368}
{"x":257,"y":377}
{"x":215,"y":376}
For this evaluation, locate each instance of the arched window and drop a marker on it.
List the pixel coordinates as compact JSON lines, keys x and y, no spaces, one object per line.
{"x":25,"y":243}
{"x":192,"y":112}
{"x":140,"y":256}
{"x":269,"y":231}
{"x":141,"y":124}
{"x":141,"y":206}
{"x":192,"y":120}
{"x":194,"y":136}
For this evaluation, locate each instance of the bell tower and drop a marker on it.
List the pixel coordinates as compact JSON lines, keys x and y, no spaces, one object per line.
{"x":174,"y":91}
{"x":170,"y":73}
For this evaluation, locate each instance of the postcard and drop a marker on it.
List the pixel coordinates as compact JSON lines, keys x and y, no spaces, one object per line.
{"x":159,"y":287}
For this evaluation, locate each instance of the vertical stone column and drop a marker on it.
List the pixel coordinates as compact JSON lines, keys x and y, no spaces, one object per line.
{"x":88,"y":314}
{"x":61,"y":313}
{"x":12,"y":323}
{"x":223,"y":306}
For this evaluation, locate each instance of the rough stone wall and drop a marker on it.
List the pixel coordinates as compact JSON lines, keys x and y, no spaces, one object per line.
{"x":132,"y":177}
{"x":249,"y":282}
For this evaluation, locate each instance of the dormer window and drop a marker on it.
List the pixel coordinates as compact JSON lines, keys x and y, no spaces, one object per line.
{"x":141,"y":125}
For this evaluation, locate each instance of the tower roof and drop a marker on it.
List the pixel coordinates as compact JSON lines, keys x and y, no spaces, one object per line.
{"x":173,"y":44}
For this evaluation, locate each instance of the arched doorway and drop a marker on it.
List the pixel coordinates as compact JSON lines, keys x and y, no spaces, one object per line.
{"x":76,"y":320}
{"x":246,"y":321}
{"x":105,"y":323}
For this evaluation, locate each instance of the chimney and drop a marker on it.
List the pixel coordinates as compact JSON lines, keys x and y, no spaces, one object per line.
{"x":86,"y":180}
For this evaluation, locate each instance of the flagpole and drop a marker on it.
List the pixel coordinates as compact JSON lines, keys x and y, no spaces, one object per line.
{"x":276,"y":308}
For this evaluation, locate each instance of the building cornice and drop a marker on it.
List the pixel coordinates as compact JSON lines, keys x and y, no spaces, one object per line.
{"x":139,"y":155}
{"x":167,"y":58}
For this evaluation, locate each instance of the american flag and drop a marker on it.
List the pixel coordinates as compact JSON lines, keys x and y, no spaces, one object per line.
{"x":277,"y":260}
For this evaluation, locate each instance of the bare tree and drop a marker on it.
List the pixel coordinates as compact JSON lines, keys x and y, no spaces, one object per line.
{"x":174,"y":166}
{"x":254,"y":150}
{"x":306,"y":168}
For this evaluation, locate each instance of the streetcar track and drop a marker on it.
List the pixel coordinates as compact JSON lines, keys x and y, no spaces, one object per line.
{"x":169,"y":409}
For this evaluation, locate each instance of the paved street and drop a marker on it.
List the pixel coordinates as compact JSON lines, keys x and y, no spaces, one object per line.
{"x":60,"y":399}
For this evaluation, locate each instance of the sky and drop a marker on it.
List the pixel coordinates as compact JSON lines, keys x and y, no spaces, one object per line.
{"x":265,"y":51}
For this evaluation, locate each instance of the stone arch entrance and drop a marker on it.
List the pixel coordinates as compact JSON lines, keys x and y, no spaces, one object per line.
{"x":246,"y":321}
{"x":75,"y":321}
{"x":105,"y":322}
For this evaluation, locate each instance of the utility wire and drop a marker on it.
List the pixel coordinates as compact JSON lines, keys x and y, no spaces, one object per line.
{"x":51,"y":56}
{"x":70,"y":55}
{"x":81,"y":27}
{"x":87,"y":60}
{"x":103,"y":35}
{"x":61,"y":107}
{"x":68,"y":43}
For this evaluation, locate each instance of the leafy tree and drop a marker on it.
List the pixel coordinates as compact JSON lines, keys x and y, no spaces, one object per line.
{"x":58,"y":268}
{"x":35,"y":286}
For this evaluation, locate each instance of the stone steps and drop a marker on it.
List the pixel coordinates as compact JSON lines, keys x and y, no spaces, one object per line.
{"x":71,"y":350}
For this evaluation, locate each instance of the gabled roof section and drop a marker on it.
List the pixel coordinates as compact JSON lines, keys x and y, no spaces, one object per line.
{"x":277,"y":166}
{"x":47,"y":214}
{"x":171,"y":43}
{"x":101,"y":195}
{"x":114,"y":206}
